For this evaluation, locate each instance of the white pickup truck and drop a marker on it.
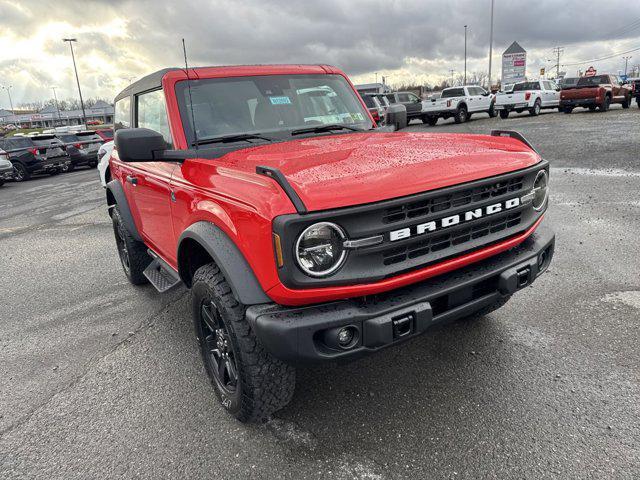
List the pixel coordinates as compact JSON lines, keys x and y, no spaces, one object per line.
{"x":459,"y":103}
{"x":531,"y":96}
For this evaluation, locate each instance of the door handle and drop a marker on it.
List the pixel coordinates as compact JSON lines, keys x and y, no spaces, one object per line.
{"x":132,"y":180}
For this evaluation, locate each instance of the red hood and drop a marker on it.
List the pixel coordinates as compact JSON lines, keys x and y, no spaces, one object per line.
{"x":351,"y":169}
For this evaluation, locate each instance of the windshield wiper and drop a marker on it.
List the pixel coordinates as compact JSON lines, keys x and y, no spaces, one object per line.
{"x":238,"y":137}
{"x":325,"y":128}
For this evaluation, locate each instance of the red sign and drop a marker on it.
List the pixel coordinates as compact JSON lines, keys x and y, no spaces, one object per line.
{"x":590,"y":72}
{"x":518,"y":63}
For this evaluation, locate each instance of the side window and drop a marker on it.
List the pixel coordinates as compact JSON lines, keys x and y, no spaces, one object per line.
{"x":151,"y":113}
{"x":413,"y":98}
{"x":391,"y":98}
{"x":403,"y":98}
{"x":122,"y":114}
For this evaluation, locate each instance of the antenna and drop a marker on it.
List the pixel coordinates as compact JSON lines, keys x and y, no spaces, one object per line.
{"x":193,"y":118}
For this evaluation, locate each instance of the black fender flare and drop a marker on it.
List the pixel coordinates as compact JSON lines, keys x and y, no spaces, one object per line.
{"x":117,"y":192}
{"x":230,"y":260}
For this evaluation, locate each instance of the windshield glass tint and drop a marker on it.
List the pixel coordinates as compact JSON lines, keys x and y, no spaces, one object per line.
{"x":521,"y":87}
{"x":268,"y":104}
{"x":588,"y":81}
{"x":453,"y":92}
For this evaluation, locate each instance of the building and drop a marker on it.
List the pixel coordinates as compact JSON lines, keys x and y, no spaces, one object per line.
{"x":372,"y":88}
{"x":50,"y":117}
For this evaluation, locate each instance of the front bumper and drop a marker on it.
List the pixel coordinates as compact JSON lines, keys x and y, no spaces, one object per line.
{"x":6,"y":173}
{"x":299,"y":334}
{"x":82,"y":159}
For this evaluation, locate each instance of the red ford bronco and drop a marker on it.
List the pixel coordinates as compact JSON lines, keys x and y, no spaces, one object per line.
{"x":305,"y":232}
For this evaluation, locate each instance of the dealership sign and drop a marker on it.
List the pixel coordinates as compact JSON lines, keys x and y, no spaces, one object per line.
{"x":591,"y":72}
{"x":514,"y":64}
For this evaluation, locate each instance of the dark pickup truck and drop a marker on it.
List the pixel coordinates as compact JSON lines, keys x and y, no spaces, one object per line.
{"x":599,"y":92}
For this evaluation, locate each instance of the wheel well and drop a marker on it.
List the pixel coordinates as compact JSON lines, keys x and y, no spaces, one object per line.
{"x":107,"y":175}
{"x":191,"y":257}
{"x":462,"y":104}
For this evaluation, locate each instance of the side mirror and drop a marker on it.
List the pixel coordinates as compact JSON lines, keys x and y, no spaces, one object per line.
{"x":485,"y":94}
{"x":139,"y":145}
{"x":397,"y":116}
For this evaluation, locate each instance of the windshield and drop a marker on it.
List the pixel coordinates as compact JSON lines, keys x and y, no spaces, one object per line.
{"x":569,"y":82}
{"x":593,"y":81}
{"x":271,"y":104}
{"x":521,"y":87}
{"x":452,"y":92}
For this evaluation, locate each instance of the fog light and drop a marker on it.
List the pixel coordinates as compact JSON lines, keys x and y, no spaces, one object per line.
{"x":345,"y":336}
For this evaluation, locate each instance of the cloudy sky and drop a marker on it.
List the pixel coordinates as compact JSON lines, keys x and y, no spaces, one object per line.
{"x":406,"y":40}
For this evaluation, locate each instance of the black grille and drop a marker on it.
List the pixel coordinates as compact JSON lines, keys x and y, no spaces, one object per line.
{"x":453,"y":238}
{"x":443,"y":203}
{"x":416,"y":250}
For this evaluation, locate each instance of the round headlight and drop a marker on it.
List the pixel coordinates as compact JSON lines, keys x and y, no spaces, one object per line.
{"x":540,"y":190}
{"x":319,"y":249}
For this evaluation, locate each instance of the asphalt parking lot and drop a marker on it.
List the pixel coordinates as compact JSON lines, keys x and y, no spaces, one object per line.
{"x":100,"y":379}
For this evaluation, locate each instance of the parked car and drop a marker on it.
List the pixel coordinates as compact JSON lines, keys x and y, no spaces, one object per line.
{"x":459,"y":103}
{"x":635,"y":89}
{"x":305,"y":240}
{"x":105,"y":134}
{"x":599,"y":91}
{"x":410,"y":100}
{"x":528,"y":96}
{"x":104,"y":154}
{"x":82,"y":148}
{"x":6,"y":168}
{"x":94,"y":122}
{"x":375,"y":107}
{"x":30,"y":157}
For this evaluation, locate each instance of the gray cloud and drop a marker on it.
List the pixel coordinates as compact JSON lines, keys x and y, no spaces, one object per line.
{"x":359,"y":36}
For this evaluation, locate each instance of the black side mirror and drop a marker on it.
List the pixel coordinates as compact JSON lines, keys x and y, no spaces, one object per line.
{"x":139,"y":145}
{"x":396,"y":116}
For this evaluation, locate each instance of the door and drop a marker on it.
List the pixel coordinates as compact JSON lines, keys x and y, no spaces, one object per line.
{"x":616,"y":89}
{"x":554,"y":93}
{"x":149,"y":183}
{"x":411,"y":102}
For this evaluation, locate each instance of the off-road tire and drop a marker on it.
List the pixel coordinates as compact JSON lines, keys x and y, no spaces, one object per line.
{"x":93,"y":164}
{"x":432,"y":121}
{"x":1,"y":182}
{"x":592,"y":108}
{"x":461,"y":115}
{"x":504,"y":114}
{"x":483,"y":312}
{"x":627,"y":102}
{"x":21,"y":174}
{"x":535,"y":110}
{"x":568,"y":110}
{"x":264,"y":384}
{"x":605,"y":103}
{"x":137,"y":258}
{"x":493,"y":113}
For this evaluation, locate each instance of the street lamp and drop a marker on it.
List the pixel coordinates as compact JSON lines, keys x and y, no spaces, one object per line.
{"x":9,"y":93}
{"x":55,"y":97}
{"x":626,"y":64}
{"x":71,"y":41}
{"x":491,"y":44}
{"x":465,"y":54}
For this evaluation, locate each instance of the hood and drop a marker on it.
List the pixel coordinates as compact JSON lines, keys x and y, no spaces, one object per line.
{"x":352,"y":169}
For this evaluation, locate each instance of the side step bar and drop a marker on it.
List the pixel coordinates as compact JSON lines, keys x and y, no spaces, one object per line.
{"x":161,"y":275}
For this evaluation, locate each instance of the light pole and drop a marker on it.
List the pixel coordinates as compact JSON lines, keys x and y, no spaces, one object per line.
{"x":55,"y":97}
{"x":71,"y":41}
{"x":465,"y":54}
{"x":491,"y":44}
{"x":9,"y":93}
{"x":626,"y":64}
{"x":451,"y":70}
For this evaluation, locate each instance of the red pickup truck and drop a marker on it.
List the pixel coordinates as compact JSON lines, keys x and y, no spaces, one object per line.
{"x":599,"y":91}
{"x":305,"y":232}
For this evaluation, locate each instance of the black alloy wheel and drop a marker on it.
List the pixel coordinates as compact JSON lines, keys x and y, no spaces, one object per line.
{"x":220,"y":355}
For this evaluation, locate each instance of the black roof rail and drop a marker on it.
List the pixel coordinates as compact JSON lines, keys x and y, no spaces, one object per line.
{"x":513,"y":134}
{"x":279,"y":177}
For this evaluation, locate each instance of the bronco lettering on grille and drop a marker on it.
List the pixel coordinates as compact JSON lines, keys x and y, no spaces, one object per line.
{"x":445,"y":222}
